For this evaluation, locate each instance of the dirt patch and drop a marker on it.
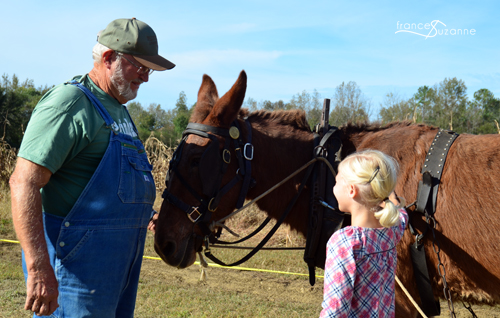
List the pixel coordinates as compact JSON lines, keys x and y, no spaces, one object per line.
{"x":269,"y":286}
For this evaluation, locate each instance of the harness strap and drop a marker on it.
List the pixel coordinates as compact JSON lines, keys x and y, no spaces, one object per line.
{"x":248,"y":167}
{"x":206,"y":128}
{"x":432,"y":171}
{"x":257,"y":230}
{"x":202,"y":201}
{"x":433,"y":166}
{"x":430,"y":305}
{"x":217,"y":195}
{"x":324,"y":215}
{"x":192,"y":212}
{"x":209,"y":255}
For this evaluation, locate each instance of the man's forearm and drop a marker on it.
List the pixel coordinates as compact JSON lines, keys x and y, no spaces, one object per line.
{"x":28,"y":223}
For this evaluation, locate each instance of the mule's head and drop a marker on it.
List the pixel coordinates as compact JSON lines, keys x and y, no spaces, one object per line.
{"x":201,"y":165}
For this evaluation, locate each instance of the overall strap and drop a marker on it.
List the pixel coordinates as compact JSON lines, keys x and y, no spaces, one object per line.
{"x":97,"y":104}
{"x":132,"y":121}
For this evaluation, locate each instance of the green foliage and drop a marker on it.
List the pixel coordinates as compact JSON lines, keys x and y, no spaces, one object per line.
{"x":181,"y":115}
{"x":425,"y":98}
{"x":446,"y":105}
{"x":451,"y":103}
{"x":483,"y":111}
{"x":251,"y":104}
{"x":397,"y":109}
{"x":310,"y":103}
{"x":268,"y":105}
{"x":17,"y":101}
{"x":349,"y":105}
{"x":153,"y":121}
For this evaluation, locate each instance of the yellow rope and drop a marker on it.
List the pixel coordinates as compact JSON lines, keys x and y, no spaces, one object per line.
{"x":243,"y":268}
{"x":213,"y":265}
{"x":9,"y":241}
{"x":270,"y":271}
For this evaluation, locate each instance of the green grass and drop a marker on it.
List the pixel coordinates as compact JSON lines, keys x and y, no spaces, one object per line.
{"x":226,"y":293}
{"x":168,"y":292}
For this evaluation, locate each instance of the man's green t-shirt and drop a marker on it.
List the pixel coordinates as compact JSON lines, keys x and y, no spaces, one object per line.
{"x":69,"y":137}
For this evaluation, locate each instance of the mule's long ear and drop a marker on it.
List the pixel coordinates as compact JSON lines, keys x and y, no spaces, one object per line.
{"x":227,"y":107}
{"x":207,"y":97}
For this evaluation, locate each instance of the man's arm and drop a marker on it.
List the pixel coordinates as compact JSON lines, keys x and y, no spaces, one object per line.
{"x":25,"y":184}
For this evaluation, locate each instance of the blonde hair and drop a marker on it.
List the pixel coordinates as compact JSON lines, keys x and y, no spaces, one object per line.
{"x":375,"y":175}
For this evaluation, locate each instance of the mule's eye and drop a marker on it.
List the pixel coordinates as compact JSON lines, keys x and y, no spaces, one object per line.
{"x":195,"y":162}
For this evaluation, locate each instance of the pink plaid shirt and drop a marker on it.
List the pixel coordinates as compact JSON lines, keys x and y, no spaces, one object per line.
{"x":359,"y":271}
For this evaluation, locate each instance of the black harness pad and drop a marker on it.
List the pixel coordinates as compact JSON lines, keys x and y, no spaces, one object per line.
{"x":210,"y":168}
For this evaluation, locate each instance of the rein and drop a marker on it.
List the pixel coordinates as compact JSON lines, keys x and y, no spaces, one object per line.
{"x":310,"y":166}
{"x":212,"y":193}
{"x":312,"y":161}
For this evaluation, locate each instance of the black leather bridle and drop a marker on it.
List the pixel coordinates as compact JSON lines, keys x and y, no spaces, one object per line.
{"x":212,"y":167}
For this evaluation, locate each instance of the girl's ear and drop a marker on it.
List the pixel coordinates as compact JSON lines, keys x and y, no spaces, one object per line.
{"x":352,"y":191}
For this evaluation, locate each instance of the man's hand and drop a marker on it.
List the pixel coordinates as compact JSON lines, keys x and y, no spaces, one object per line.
{"x":42,"y":292}
{"x":152,"y":223}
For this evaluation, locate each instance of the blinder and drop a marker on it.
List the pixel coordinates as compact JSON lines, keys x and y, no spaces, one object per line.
{"x":212,"y":167}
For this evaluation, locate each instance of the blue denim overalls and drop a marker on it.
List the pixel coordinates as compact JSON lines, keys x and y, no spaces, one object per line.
{"x":96,"y":250}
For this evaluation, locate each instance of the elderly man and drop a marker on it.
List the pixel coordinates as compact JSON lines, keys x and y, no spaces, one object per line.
{"x":82,"y":190}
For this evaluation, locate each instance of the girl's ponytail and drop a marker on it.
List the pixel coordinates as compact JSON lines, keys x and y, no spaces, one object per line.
{"x":389,"y":215}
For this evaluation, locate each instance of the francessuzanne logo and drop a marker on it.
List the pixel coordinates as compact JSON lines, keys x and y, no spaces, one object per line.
{"x":435,"y":28}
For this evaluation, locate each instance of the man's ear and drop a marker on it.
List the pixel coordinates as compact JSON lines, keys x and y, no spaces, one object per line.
{"x":107,"y":58}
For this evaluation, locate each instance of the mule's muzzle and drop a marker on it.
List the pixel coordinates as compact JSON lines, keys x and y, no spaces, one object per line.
{"x":166,"y":250}
{"x":175,"y":254}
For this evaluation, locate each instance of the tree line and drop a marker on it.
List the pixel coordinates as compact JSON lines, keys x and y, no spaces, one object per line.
{"x":445,"y":104}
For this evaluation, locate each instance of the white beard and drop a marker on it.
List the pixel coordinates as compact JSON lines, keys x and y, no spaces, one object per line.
{"x":123,"y":87}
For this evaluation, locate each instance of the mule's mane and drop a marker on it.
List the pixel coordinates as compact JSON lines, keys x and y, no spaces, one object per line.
{"x":295,"y":117}
{"x":364,"y":127}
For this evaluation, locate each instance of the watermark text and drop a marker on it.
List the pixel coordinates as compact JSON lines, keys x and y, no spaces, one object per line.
{"x":434,"y":28}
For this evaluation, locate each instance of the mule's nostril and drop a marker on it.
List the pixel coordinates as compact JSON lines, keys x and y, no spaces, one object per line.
{"x":169,"y":249}
{"x":165,"y":248}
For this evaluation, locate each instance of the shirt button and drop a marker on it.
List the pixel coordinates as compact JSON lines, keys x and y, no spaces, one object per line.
{"x":61,"y":244}
{"x":66,"y":224}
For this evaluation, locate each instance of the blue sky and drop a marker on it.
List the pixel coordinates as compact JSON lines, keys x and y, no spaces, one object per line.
{"x":285,"y":47}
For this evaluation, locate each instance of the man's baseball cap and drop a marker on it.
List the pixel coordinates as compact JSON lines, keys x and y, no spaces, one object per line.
{"x":134,"y":37}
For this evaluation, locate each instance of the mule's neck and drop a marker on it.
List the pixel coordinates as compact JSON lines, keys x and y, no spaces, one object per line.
{"x":279,"y":151}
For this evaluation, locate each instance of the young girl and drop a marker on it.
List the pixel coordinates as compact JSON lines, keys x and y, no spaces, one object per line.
{"x":361,"y":258}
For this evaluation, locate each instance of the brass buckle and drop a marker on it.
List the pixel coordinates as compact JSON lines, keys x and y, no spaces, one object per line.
{"x":226,"y":156}
{"x":189,"y":214}
{"x":210,"y":205}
